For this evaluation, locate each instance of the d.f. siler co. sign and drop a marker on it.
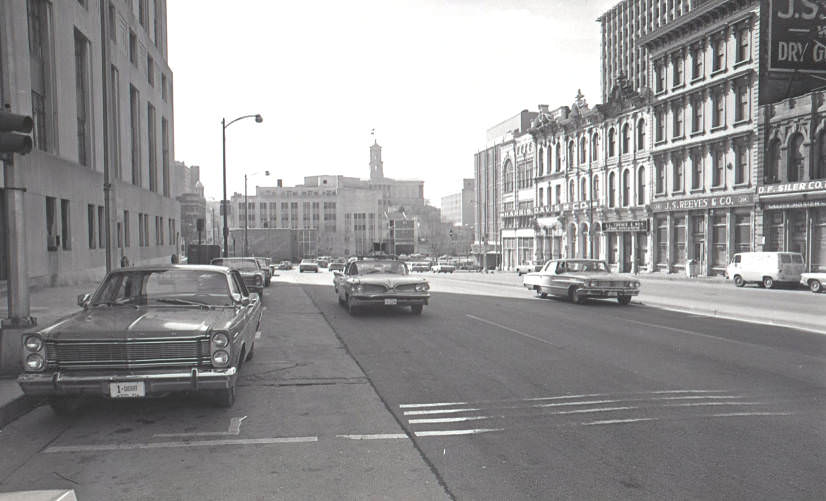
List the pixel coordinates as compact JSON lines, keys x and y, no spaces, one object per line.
{"x":792,"y":187}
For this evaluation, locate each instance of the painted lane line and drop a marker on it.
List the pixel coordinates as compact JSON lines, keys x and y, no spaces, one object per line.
{"x":745,"y":414}
{"x":180,"y":444}
{"x":688,"y":391}
{"x":599,"y":409}
{"x":444,"y":411}
{"x":437,"y":404}
{"x":617,"y":421}
{"x":450,"y":419}
{"x":444,"y":433}
{"x":233,"y":430}
{"x":569,"y":404}
{"x":504,"y":327}
{"x":502,"y":416}
{"x":374,"y":436}
{"x":707,"y":404}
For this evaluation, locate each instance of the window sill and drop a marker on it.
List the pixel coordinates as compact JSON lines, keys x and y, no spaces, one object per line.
{"x":741,"y":122}
{"x":681,"y":191}
{"x":660,"y":194}
{"x":741,"y":185}
{"x":742,"y":63}
{"x":697,"y":79}
{"x":697,"y":133}
{"x":660,"y":142}
{"x":696,"y":190}
{"x":678,"y":138}
{"x":678,"y":86}
{"x":659,"y":92}
{"x":718,"y":71}
{"x":720,"y":187}
{"x":717,"y":128}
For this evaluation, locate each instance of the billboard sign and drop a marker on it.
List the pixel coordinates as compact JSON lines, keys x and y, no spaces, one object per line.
{"x":797,"y":35}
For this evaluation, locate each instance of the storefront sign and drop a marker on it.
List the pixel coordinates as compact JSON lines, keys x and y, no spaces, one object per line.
{"x":638,"y":225}
{"x":797,"y":204}
{"x":715,"y":202}
{"x":797,"y":40}
{"x":818,"y":185}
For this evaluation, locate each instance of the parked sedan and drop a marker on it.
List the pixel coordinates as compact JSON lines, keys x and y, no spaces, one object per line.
{"x":254,"y":277}
{"x":380,"y":282}
{"x":285,"y":265}
{"x":580,"y":279}
{"x":814,"y":280}
{"x":336,"y":266}
{"x":147,"y":331}
{"x":420,"y":266}
{"x":443,"y":268}
{"x":524,"y":268}
{"x":308,"y":265}
{"x":265,"y":267}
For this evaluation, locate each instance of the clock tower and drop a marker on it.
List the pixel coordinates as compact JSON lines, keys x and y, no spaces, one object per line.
{"x":376,"y":165}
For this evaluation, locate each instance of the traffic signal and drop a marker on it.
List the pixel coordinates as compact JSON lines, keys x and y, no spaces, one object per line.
{"x":15,"y":133}
{"x":450,"y":232}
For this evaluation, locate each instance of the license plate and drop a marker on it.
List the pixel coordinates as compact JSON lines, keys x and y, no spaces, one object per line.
{"x":610,"y":294}
{"x":127,"y":390}
{"x":389,"y":302}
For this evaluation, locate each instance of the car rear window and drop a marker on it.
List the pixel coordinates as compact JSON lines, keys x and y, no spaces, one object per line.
{"x":785,"y":258}
{"x":797,"y":259}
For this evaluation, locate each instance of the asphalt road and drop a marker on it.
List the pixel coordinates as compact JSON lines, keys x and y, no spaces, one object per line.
{"x":491,"y":393}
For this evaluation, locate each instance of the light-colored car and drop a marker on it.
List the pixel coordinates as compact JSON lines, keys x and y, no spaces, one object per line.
{"x":527,"y":268}
{"x":814,"y":280}
{"x":443,"y":268}
{"x":420,"y":266}
{"x":380,"y":282}
{"x":765,"y":268}
{"x":308,"y":265}
{"x":580,"y":279}
{"x":146,"y":331}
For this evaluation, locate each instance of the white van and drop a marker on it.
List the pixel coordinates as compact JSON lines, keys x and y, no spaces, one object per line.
{"x":765,"y":268}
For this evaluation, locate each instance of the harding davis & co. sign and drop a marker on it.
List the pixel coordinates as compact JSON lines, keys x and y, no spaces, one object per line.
{"x":715,"y":202}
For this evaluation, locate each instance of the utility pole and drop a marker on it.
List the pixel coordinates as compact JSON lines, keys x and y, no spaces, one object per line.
{"x":107,"y":181}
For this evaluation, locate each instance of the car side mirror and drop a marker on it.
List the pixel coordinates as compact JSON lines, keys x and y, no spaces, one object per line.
{"x":83,"y":299}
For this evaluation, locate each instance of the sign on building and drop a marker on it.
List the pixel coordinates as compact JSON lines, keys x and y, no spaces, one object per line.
{"x":797,"y":35}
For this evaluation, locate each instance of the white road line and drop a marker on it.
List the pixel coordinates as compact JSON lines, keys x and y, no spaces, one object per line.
{"x":233,"y":430}
{"x":436,"y":404}
{"x":440,"y":411}
{"x":567,"y":397}
{"x":502,"y":416}
{"x":743,"y":414}
{"x":706,"y":404}
{"x":449,"y":419}
{"x":599,"y":409}
{"x":443,"y":433}
{"x":181,"y":444}
{"x":688,"y":391}
{"x":504,"y":327}
{"x":374,"y":436}
{"x":617,"y":421}
{"x":583,"y":402}
{"x":712,"y":397}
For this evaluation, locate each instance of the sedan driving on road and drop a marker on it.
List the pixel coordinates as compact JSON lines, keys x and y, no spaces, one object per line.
{"x":307,"y":265}
{"x":380,"y":282}
{"x":581,"y":279}
{"x":252,"y":274}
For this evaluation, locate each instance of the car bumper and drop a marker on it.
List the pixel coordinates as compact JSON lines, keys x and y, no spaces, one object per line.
{"x":380,"y":300}
{"x":307,"y":268}
{"x":96,"y":383}
{"x":606,"y":292}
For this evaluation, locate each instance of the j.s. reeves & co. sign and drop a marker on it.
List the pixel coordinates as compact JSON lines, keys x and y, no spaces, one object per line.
{"x":714,"y":202}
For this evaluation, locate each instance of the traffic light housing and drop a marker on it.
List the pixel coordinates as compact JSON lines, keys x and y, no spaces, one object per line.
{"x":15,"y":133}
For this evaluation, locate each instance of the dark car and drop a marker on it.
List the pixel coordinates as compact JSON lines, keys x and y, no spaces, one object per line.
{"x":265,"y":267}
{"x":254,"y":277}
{"x":147,"y":331}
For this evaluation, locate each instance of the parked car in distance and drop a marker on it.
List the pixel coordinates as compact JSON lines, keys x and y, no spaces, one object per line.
{"x":580,"y":279}
{"x":146,"y":331}
{"x":336,"y":266}
{"x":443,"y":268}
{"x":814,"y":280}
{"x":766,"y":269}
{"x":265,"y":267}
{"x":380,"y":282}
{"x":323,"y":262}
{"x":307,"y":265}
{"x":420,"y":266}
{"x":527,"y":268}
{"x":284,"y":265}
{"x":252,"y":274}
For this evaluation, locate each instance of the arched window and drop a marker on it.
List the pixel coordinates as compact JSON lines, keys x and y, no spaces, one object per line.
{"x":558,"y":160}
{"x":626,"y":139}
{"x":641,"y":134}
{"x":612,"y":189}
{"x":583,"y":193}
{"x":595,"y":189}
{"x":540,"y":162}
{"x":571,"y":191}
{"x":626,"y":187}
{"x":594,"y":147}
{"x":582,"y":157}
{"x":541,"y":193}
{"x":773,"y":162}
{"x":550,"y":202}
{"x":571,"y":151}
{"x":508,"y":176}
{"x":612,"y":142}
{"x":819,"y":167}
{"x":641,"y":186}
{"x":794,"y":167}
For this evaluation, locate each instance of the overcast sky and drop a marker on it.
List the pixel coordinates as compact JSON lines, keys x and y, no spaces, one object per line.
{"x":430,"y":76}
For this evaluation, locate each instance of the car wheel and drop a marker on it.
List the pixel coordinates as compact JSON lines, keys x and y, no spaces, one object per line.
{"x":226,"y":397}
{"x":623,"y":300}
{"x":768,"y":282}
{"x":573,"y":294}
{"x":416,"y":309}
{"x":351,"y":308}
{"x":300,"y":270}
{"x":64,"y":406}
{"x":340,"y":301}
{"x":251,"y":353}
{"x":738,"y":281}
{"x":815,"y":286}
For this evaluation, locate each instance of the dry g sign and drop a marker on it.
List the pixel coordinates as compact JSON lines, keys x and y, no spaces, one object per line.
{"x":797,"y":35}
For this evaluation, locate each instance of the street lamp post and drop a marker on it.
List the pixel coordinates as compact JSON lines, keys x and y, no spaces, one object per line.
{"x":246,"y":212}
{"x":224,"y":202}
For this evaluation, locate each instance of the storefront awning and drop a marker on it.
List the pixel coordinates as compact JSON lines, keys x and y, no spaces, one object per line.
{"x":548,"y":222}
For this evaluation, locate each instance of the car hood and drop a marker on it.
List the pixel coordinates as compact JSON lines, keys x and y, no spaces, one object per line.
{"x":388,"y":278}
{"x":597,"y":275}
{"x":128,"y":322}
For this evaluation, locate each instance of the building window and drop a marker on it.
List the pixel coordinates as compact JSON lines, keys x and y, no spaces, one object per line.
{"x":659,"y":75}
{"x":794,"y":166}
{"x":612,"y":189}
{"x":679,"y":127}
{"x":151,"y":139}
{"x":65,"y":225}
{"x":697,"y":170}
{"x":143,"y":12}
{"x":678,"y":177}
{"x":508,"y":176}
{"x":612,"y":142}
{"x":742,"y":109}
{"x":697,"y":57}
{"x":571,"y":157}
{"x":52,"y":238}
{"x":583,"y":193}
{"x":541,"y":196}
{"x":771,"y":175}
{"x":127,"y":239}
{"x":165,"y":155}
{"x":641,"y":186}
{"x":718,"y":118}
{"x":626,"y":188}
{"x":659,"y":125}
{"x":90,"y":214}
{"x":595,"y":189}
{"x":113,"y":31}
{"x":82,"y":95}
{"x":164,"y":90}
{"x":660,"y":170}
{"x":677,"y":65}
{"x":819,"y":166}
{"x":558,"y":159}
{"x":582,"y":156}
{"x":641,"y":134}
{"x":101,"y":227}
{"x":571,"y":191}
{"x":150,"y":70}
{"x":135,"y":137}
{"x":133,"y":48}
{"x":540,"y":166}
{"x":626,"y":139}
{"x":718,"y":61}
{"x":697,"y":115}
{"x":115,"y":122}
{"x":718,"y":177}
{"x":594,"y":147}
{"x":558,"y":194}
{"x":146,"y":229}
{"x":743,"y":44}
{"x":742,"y":167}
{"x":40,"y":57}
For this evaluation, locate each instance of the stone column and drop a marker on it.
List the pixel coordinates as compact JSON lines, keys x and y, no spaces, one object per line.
{"x":669,"y":258}
{"x":709,"y":243}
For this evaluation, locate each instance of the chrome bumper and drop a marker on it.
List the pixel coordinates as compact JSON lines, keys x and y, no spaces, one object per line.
{"x":97,"y":383}
{"x":607,"y":292}
{"x":378,"y":299}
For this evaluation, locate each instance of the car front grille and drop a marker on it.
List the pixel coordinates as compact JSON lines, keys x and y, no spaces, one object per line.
{"x":608,"y":283}
{"x":406,"y":288}
{"x":373,"y":289}
{"x":127,"y":354}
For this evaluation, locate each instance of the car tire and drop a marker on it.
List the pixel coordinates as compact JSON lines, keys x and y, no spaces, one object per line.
{"x":416,"y":309}
{"x":815,"y":286}
{"x":573,"y":294}
{"x":623,"y":300}
{"x":738,"y":281}
{"x":64,"y":406}
{"x":225,"y":398}
{"x":768,"y":282}
{"x":352,"y":309}
{"x":250,"y":353}
{"x":340,"y":301}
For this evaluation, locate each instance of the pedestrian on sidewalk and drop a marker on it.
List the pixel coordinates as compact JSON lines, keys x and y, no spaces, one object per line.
{"x":124,"y":261}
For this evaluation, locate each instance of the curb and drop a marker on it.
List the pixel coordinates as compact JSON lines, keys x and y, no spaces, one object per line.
{"x":17,"y":407}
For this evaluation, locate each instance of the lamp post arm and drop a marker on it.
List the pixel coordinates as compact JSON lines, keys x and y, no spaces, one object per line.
{"x":235,"y":120}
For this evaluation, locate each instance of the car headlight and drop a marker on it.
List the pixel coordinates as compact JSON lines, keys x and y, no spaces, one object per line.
{"x":220,"y":340}
{"x":356,"y":287}
{"x":34,"y":362}
{"x":220,"y":358}
{"x":422,"y":287}
{"x":33,"y":343}
{"x":636,"y":285}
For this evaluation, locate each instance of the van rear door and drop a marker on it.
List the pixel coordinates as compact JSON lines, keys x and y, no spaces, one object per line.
{"x":791,"y":266}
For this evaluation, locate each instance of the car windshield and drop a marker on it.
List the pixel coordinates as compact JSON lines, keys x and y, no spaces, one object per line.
{"x":238,"y":264}
{"x":175,"y":286}
{"x":584,"y":266}
{"x":384,"y":267}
